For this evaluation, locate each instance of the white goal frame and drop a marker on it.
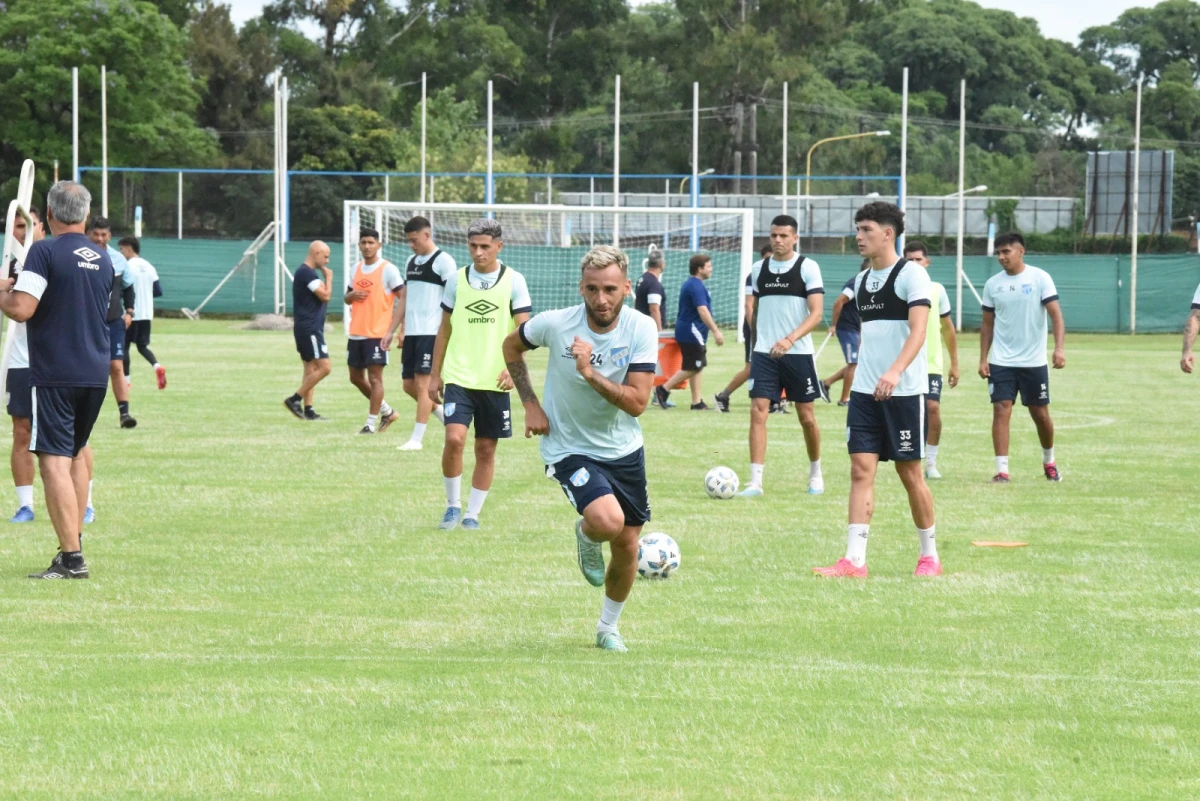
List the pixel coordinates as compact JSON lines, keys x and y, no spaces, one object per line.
{"x":745,"y":260}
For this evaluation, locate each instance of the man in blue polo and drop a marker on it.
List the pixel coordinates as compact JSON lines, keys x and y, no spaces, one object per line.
{"x":62,"y":295}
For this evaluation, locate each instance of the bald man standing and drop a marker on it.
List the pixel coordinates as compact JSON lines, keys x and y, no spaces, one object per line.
{"x":310,"y":298}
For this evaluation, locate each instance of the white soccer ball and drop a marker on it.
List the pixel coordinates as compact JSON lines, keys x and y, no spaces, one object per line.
{"x":658,"y":556}
{"x":721,"y":483}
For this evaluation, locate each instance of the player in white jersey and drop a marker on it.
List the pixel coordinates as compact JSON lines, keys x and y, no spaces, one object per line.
{"x":886,"y":417}
{"x":598,"y":381}
{"x":1012,"y":346}
{"x":425,"y":277}
{"x":789,"y":301}
{"x":146,"y":287}
{"x":1188,"y":361}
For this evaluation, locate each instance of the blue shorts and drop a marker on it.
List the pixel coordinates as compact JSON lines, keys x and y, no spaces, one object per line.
{"x":935,"y":388}
{"x":20,"y":398}
{"x":63,"y":417}
{"x":793,"y":373}
{"x":116,"y":340}
{"x":489,"y":409}
{"x":311,"y":345}
{"x":416,"y":356}
{"x":894,"y":428}
{"x":1032,"y":382}
{"x":849,"y":340}
{"x":364,"y":353}
{"x":585,"y":479}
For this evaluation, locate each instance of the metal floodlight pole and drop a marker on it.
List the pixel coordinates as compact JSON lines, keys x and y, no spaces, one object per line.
{"x":179,"y":205}
{"x":1137,"y":170}
{"x":695,"y":242}
{"x":424,"y":109}
{"x":103,"y":140}
{"x":903,"y":147}
{"x":808,"y":168}
{"x":275,"y":232}
{"x":285,"y":206}
{"x":962,"y":200}
{"x":74,"y":123}
{"x":489,"y":189}
{"x":783,"y":183}
{"x":617,"y":161}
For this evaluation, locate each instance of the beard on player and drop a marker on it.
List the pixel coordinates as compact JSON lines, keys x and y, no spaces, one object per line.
{"x":603,"y":311}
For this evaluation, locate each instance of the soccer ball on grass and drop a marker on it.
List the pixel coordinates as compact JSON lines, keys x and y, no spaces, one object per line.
{"x":658,"y":556}
{"x":721,"y":483}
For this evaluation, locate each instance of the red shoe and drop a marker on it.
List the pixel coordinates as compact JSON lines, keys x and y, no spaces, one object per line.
{"x":1051,"y":472}
{"x":843,"y":568}
{"x":160,"y":373}
{"x":928,"y":566}
{"x":1000,"y":478}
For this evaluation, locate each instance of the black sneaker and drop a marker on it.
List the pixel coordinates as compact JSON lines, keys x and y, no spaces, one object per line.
{"x":843,"y":403}
{"x":824,"y":392}
{"x":722,"y":402}
{"x":700,"y":407}
{"x":312,"y":415}
{"x":783,"y":407}
{"x":295,"y":406}
{"x":367,"y":430}
{"x":660,"y":397}
{"x":128,"y":422}
{"x":58,"y":570}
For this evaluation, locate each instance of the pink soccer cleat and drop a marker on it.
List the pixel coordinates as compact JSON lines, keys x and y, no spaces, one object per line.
{"x":928,"y":566}
{"x":160,"y":373}
{"x":844,"y":568}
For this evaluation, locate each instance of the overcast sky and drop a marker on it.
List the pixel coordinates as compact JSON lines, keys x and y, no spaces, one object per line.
{"x":1061,"y":20}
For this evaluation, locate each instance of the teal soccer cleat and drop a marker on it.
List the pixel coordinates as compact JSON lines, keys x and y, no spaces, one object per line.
{"x":591,"y":557}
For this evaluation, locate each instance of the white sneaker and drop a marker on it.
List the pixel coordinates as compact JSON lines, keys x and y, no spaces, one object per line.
{"x":751,"y":491}
{"x":816,"y":485}
{"x":931,"y":472}
{"x":411,"y":445}
{"x":439,"y":414}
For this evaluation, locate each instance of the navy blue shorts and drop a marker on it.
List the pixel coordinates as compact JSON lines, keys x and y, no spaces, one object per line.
{"x":849,"y":340}
{"x":489,"y":410}
{"x":416,"y":356}
{"x":116,"y":340}
{"x":20,"y":398}
{"x":935,"y":388}
{"x":585,"y":479}
{"x":364,"y":353}
{"x":793,"y":373}
{"x":694,"y":355}
{"x":63,"y":417}
{"x":311,"y":345}
{"x":894,"y":428}
{"x":1032,"y":382}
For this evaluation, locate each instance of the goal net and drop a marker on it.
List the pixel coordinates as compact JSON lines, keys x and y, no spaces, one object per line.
{"x":546,"y":243}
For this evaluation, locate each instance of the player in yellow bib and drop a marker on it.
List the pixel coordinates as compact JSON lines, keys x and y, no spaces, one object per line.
{"x":372,"y":296}
{"x":481,"y":304}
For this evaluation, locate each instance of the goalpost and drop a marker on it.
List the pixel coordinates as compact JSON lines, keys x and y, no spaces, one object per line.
{"x":545,"y":243}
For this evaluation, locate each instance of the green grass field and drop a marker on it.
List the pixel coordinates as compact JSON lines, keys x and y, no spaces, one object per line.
{"x":272,"y":612}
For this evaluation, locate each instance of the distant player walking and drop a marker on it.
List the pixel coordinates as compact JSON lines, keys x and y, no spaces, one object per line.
{"x":886,"y":418}
{"x":847,"y":327}
{"x":310,"y":300}
{"x":1012,"y":349}
{"x":1187,"y":362}
{"x":598,"y":382}
{"x":373,"y":312}
{"x":743,"y":375}
{"x":692,"y":325}
{"x":146,"y":287}
{"x":481,"y":304}
{"x":120,"y":315}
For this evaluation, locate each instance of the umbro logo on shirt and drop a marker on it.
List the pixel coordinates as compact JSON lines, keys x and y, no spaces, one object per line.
{"x":88,"y":255}
{"x":482,"y":307}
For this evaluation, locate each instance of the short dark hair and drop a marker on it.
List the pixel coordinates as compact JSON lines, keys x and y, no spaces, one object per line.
{"x":417,"y":224}
{"x":35,"y":213}
{"x":1010,"y":238}
{"x":364,"y":233}
{"x":786,"y":219}
{"x":696,"y":263}
{"x":766,"y":250}
{"x":883,"y":213}
{"x":99,"y":224}
{"x":132,"y":243}
{"x":914,"y":245}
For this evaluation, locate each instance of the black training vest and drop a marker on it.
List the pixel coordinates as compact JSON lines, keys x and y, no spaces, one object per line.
{"x":423,"y":272}
{"x":790,"y":283}
{"x":884,"y":303}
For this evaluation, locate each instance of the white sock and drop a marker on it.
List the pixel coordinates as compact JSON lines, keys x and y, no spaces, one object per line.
{"x":384,"y":409}
{"x":756,"y":474}
{"x":814,"y":469}
{"x":610,"y":613}
{"x":439,"y":414}
{"x":157,"y":365}
{"x":928,"y":543}
{"x":856,"y":544}
{"x":1048,"y":455}
{"x":931,"y":455}
{"x":418,"y":433}
{"x":1002,"y":464}
{"x":453,"y":491}
{"x":25,"y":496}
{"x":475,"y":504}
{"x":372,"y":421}
{"x":90,"y":483}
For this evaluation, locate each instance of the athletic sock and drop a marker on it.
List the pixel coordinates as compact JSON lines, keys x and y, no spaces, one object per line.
{"x":439,"y":414}
{"x":157,"y":365}
{"x":123,"y":407}
{"x":308,"y":411}
{"x":418,"y":433}
{"x":814,"y":469}
{"x":25,"y":496}
{"x":610,"y":613}
{"x":372,"y":421}
{"x":1002,"y":464}
{"x":756,"y":474}
{"x":295,"y":398}
{"x":475,"y":503}
{"x":928,"y":542}
{"x":385,"y":410}
{"x":453,"y":490}
{"x":73,"y":559}
{"x":931,"y":455}
{"x":1048,"y":455}
{"x":856,"y":543}
{"x":90,"y":483}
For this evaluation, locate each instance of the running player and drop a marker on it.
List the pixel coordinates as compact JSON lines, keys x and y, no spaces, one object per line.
{"x":886,"y":418}
{"x":939,"y":318}
{"x":649,"y":297}
{"x":598,"y":382}
{"x":692,"y":325}
{"x":373,"y":312}
{"x":146,"y":287}
{"x":123,"y":297}
{"x":847,"y":326}
{"x":425,"y":278}
{"x":481,"y":304}
{"x":789,"y":301}
{"x":743,"y":375}
{"x":310,"y":300}
{"x":1188,"y":361}
{"x":1016,"y":303}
